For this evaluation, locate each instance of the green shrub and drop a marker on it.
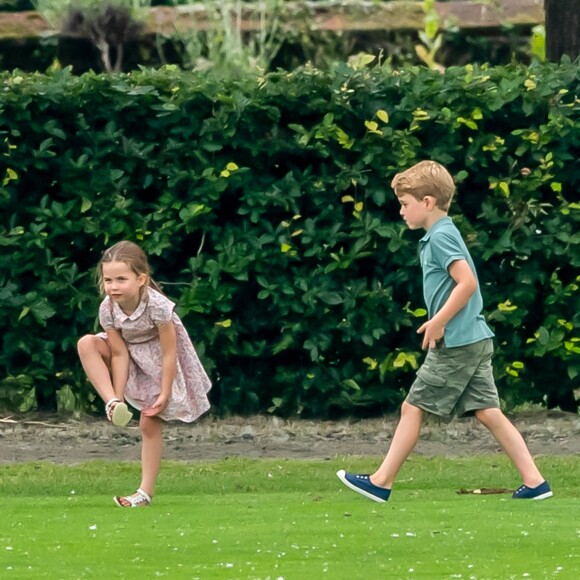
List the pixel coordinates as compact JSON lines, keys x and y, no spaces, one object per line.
{"x":266,"y":208}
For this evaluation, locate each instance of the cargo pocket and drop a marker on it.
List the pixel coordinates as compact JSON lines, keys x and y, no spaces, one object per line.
{"x":430,"y":378}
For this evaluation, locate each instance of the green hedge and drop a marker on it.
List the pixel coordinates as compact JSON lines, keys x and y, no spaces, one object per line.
{"x":266,"y":209}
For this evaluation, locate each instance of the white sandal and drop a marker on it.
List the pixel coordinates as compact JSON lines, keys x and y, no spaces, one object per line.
{"x":138,"y":499}
{"x":118,"y":412}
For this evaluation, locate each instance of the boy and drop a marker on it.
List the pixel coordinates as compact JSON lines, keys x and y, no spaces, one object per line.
{"x":456,"y":377}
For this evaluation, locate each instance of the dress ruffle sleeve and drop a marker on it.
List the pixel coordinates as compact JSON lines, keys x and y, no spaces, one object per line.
{"x":160,"y":311}
{"x":106,"y":314}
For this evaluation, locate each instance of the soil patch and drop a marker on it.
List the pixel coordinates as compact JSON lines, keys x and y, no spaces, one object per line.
{"x":62,"y":440}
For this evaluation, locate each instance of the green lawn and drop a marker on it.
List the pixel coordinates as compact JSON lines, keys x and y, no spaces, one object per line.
{"x":287,"y":519}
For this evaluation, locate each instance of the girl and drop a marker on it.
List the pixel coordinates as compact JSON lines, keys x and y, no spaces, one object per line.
{"x":144,"y":356}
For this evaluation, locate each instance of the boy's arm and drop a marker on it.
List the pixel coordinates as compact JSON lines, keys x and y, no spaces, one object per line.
{"x":465,"y":286}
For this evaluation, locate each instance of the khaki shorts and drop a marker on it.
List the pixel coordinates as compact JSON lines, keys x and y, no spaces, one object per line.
{"x":456,"y":381}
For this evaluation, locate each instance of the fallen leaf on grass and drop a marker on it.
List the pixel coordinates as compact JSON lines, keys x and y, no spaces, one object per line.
{"x":485,"y":490}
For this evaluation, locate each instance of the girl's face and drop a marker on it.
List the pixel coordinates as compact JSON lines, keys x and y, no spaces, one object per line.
{"x":122,"y":285}
{"x":415,"y":213}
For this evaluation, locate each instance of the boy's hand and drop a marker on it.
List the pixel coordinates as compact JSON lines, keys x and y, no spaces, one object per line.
{"x":433,"y":333}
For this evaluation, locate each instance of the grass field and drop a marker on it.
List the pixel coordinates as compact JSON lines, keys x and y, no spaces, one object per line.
{"x":283,"y":519}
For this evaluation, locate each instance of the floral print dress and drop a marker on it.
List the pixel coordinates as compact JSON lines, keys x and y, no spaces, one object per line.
{"x":140,"y":331}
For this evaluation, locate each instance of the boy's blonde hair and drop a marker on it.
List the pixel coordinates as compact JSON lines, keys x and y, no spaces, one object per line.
{"x":423,"y":179}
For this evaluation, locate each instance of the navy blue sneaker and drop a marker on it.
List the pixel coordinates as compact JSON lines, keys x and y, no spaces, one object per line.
{"x":543,"y":491}
{"x":363,"y":485}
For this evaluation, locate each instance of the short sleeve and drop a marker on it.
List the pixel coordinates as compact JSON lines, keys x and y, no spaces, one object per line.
{"x":106,"y":314}
{"x":160,"y":308}
{"x":447,"y":249}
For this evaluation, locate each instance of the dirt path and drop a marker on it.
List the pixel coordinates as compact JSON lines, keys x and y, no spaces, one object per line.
{"x":50,"y":438}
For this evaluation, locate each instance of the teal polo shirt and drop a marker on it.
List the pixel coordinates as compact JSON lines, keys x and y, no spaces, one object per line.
{"x":438,"y":249}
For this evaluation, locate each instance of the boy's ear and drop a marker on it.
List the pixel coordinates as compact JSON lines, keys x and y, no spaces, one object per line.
{"x":430,"y":202}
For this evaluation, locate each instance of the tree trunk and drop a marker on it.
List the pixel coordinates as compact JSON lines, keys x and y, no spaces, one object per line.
{"x":562,"y":29}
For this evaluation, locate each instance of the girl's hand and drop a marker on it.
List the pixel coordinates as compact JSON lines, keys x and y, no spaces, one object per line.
{"x":157,"y":407}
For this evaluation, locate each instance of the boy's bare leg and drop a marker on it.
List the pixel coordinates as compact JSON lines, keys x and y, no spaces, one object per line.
{"x":404,"y":440}
{"x":512,"y":443}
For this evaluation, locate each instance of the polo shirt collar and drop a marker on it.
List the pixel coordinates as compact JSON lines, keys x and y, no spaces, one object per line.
{"x":436,"y":226}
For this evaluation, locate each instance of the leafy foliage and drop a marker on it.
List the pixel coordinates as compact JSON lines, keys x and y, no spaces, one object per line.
{"x":227,"y":48}
{"x":265,"y":206}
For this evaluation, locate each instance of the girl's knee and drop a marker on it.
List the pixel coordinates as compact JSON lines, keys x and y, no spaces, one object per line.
{"x":90,"y":344}
{"x":150,"y":426}
{"x":86,"y":343}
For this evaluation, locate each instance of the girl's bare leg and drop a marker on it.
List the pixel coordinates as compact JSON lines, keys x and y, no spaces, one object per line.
{"x":404,"y":440}
{"x":151,"y":451}
{"x":95,"y":355}
{"x":512,"y":443}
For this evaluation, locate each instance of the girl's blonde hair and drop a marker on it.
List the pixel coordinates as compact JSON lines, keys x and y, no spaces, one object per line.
{"x":423,"y":179}
{"x":130,"y":254}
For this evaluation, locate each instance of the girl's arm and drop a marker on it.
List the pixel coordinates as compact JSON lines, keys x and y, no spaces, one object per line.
{"x":119,"y":362}
{"x":465,"y":286}
{"x":168,"y":340}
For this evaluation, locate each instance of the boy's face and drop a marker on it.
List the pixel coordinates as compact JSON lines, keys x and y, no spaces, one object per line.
{"x":415,"y":213}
